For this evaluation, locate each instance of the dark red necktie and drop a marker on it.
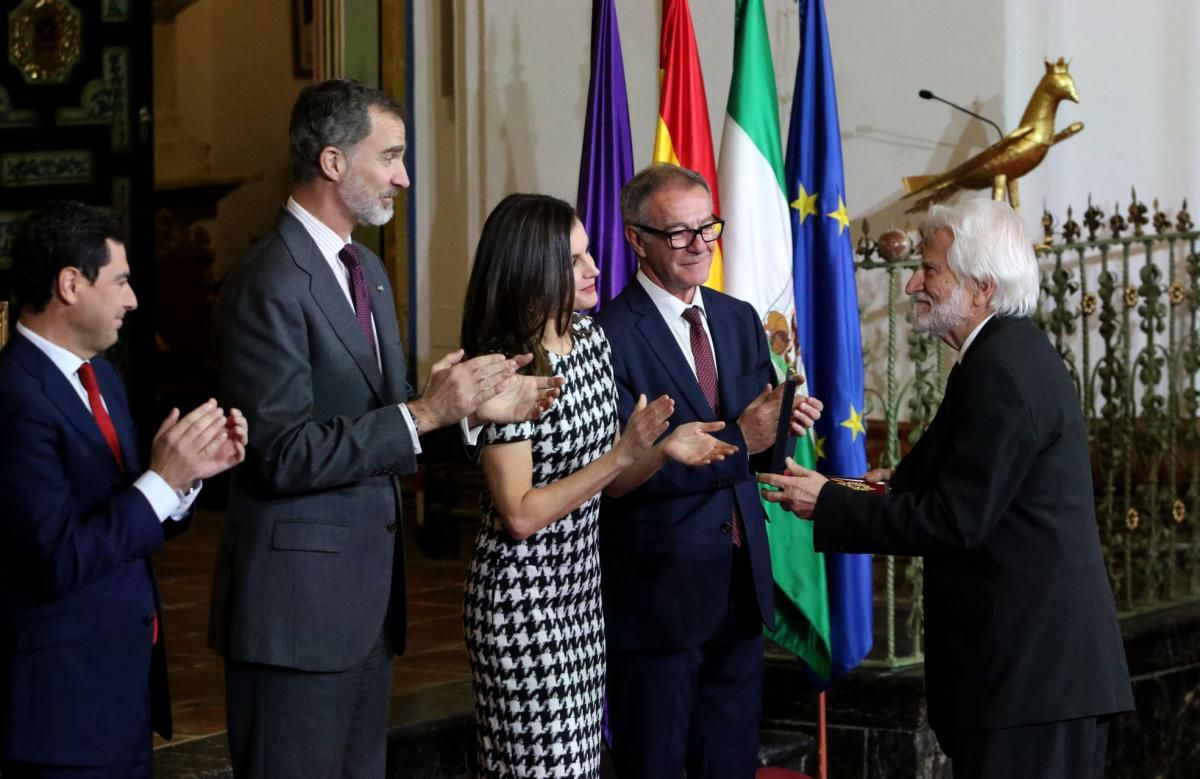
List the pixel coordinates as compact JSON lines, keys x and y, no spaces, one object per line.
{"x":87,"y":376}
{"x":362,"y":297}
{"x":706,"y":375}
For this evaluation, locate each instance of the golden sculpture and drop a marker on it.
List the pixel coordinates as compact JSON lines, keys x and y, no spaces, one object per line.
{"x":1001,"y":164}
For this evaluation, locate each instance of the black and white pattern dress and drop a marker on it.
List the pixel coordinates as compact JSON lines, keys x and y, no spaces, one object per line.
{"x":533,"y":618}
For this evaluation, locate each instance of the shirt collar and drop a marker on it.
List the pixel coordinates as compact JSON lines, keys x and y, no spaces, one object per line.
{"x":669,"y":306}
{"x":329,"y":242}
{"x":65,"y":360}
{"x":971,"y":338}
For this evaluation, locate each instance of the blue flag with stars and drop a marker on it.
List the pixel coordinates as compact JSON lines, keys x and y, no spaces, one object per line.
{"x":827,"y":315}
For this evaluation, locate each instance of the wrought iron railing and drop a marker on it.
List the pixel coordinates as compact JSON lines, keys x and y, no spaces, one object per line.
{"x":1122,"y":306}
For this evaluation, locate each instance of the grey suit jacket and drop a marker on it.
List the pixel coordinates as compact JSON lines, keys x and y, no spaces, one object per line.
{"x":310,"y":568}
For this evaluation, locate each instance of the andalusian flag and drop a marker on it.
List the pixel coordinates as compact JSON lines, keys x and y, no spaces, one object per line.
{"x":683,"y":136}
{"x":827,"y":315}
{"x":758,"y":269}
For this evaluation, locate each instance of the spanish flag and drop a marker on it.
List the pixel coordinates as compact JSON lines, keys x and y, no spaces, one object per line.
{"x":683,"y":136}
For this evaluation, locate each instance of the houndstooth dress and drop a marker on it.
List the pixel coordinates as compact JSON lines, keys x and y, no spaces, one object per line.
{"x":533,"y":619}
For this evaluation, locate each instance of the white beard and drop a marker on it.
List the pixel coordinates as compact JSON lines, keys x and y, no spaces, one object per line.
{"x":942,"y":318}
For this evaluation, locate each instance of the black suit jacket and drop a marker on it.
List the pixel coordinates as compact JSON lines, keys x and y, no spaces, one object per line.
{"x":1020,"y":623}
{"x":665,"y":548}
{"x":78,"y":672}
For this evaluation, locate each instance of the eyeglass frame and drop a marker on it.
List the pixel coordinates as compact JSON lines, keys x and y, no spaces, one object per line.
{"x":669,"y":235}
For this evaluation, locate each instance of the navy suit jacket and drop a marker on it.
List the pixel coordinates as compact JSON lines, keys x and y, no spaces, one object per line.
{"x":665,"y":548}
{"x":77,"y":590}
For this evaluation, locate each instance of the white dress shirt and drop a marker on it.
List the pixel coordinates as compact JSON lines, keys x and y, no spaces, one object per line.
{"x":164,"y":500}
{"x":671,"y":308}
{"x":971,"y":338}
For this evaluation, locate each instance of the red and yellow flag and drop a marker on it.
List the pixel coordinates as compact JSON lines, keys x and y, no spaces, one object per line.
{"x":683,"y":136}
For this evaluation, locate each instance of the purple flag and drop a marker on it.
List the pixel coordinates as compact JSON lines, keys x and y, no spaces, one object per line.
{"x":607,"y":159}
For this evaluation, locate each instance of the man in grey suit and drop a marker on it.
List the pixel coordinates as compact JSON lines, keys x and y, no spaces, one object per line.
{"x":308,"y":595}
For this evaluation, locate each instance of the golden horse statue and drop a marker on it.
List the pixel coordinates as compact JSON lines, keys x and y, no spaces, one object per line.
{"x":1001,"y":164}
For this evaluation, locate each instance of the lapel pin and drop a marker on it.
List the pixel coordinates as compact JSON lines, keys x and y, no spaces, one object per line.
{"x":379,"y":288}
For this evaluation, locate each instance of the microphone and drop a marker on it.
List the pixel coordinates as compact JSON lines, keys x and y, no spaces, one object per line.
{"x":925,"y":94}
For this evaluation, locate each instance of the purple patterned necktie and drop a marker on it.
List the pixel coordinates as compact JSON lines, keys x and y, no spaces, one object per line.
{"x":706,"y":374}
{"x":362,"y":298}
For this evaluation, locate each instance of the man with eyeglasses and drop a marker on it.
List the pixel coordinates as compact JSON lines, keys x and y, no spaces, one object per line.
{"x":686,"y":572}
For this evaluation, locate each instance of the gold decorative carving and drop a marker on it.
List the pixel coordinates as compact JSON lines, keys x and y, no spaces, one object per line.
{"x":1001,"y":164}
{"x":45,"y":40}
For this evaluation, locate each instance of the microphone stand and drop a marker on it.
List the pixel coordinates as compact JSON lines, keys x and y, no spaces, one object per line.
{"x":925,"y":94}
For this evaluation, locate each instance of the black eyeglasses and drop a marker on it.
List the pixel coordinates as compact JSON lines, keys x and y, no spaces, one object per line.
{"x":684,"y":236}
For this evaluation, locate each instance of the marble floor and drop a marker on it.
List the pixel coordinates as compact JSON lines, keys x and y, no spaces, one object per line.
{"x":435,"y":654}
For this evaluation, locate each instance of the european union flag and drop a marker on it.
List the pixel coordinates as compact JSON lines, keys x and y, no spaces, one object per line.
{"x":827,"y":314}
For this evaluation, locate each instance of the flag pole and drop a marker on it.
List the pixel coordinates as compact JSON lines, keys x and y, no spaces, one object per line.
{"x":821,"y":752}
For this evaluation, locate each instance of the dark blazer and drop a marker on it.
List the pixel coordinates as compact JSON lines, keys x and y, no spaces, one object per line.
{"x":310,"y":566}
{"x":1020,"y":623}
{"x":78,"y":670}
{"x":665,"y":548}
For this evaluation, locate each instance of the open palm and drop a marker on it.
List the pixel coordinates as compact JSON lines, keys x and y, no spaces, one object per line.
{"x":692,"y":445}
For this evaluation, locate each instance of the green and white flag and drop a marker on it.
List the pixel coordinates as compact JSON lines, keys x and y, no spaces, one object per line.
{"x":758,"y":240}
{"x":758,"y":269}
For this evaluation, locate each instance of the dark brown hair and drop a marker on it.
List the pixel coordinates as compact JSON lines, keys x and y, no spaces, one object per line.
{"x":522,"y":278}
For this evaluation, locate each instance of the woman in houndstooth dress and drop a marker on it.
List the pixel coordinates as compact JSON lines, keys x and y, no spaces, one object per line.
{"x":533,"y":619}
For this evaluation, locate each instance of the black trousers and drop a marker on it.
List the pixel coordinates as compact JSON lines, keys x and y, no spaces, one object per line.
{"x":284,"y":722}
{"x":695,"y":708}
{"x":1068,"y":749}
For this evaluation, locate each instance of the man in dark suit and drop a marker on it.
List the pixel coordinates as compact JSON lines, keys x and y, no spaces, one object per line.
{"x":686,"y":571}
{"x":1024,"y":660}
{"x":308,"y":595}
{"x":82,"y":672}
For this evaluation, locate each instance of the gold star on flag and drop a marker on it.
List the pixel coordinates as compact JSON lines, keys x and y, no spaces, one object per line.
{"x":806,"y":204}
{"x":819,"y":446}
{"x":840,"y":216}
{"x":854,"y":424}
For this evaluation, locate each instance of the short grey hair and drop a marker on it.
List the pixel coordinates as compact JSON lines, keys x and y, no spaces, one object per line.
{"x":990,"y":244}
{"x":332,"y":113}
{"x":650,"y":181}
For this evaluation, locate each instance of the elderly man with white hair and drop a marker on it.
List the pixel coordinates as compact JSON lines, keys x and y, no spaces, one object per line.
{"x":1024,"y":660}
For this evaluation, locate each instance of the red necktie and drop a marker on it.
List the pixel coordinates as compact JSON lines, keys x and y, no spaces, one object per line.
{"x":362,"y":298}
{"x":706,"y":374}
{"x":87,"y":376}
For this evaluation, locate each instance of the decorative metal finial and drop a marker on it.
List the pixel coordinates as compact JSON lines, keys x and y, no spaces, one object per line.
{"x":1162,"y":222}
{"x":1183,"y":220}
{"x":1137,"y":213}
{"x":1116,"y":222}
{"x":1070,"y":228}
{"x":1093,"y":217}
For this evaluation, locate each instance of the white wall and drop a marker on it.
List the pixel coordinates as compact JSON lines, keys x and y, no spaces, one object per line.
{"x":520,"y":69}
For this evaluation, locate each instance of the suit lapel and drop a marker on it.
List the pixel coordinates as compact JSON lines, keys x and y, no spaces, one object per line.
{"x":725,"y":349}
{"x":662,"y":345}
{"x":328,"y":295}
{"x":58,"y":390}
{"x":118,"y":411}
{"x":387,"y":331}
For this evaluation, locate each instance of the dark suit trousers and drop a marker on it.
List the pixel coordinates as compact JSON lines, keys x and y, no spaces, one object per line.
{"x":284,"y":722}
{"x":139,"y":765}
{"x":1070,"y":749}
{"x":696,"y":708}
